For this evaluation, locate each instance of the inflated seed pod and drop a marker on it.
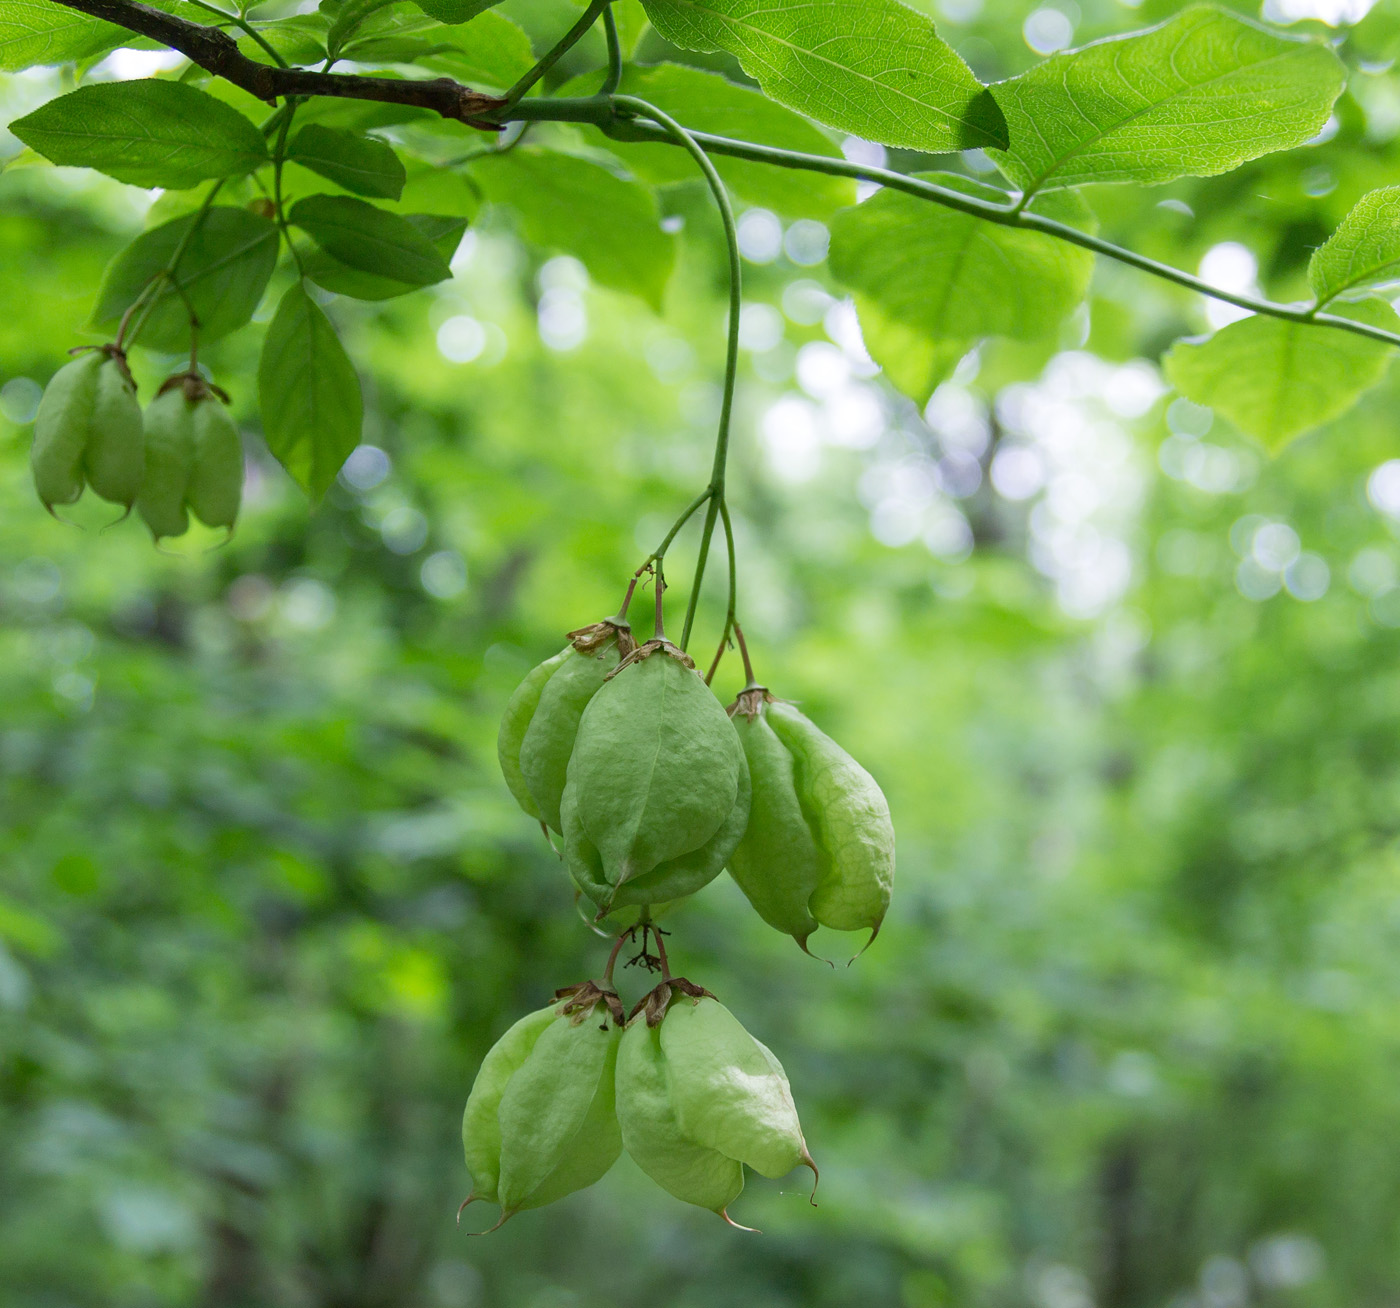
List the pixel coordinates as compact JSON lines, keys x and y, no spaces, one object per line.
{"x":819,"y":848}
{"x":194,"y":459}
{"x":542,"y":716}
{"x":216,"y":479}
{"x":698,"y":1098}
{"x":540,"y":1122}
{"x":658,"y":789}
{"x":88,"y":430}
{"x":169,"y":461}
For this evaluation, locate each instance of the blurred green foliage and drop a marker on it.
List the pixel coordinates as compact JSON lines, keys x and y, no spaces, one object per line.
{"x":1129,"y":1037}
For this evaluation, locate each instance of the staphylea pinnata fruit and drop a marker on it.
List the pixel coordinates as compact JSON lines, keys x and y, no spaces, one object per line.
{"x":540,"y":1120}
{"x":658,"y":790}
{"x":819,"y":846}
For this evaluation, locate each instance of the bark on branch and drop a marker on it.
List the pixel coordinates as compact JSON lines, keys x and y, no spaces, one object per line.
{"x":218,"y":53}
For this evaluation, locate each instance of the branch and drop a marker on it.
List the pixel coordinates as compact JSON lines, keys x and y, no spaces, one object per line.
{"x":218,"y":53}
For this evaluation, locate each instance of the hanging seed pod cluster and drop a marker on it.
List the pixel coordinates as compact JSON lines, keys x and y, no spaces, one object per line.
{"x":182,"y":456}
{"x":653,"y":788}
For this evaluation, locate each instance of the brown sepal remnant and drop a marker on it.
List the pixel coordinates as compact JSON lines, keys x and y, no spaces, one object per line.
{"x":195,"y":386}
{"x":592,"y":638}
{"x":750,"y":701}
{"x":657,"y":645}
{"x":112,"y":351}
{"x":580,"y":1001}
{"x":657,"y":1001}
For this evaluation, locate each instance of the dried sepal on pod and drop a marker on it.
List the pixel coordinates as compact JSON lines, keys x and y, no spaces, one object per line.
{"x":194,"y":458}
{"x":819,"y":848}
{"x":89,"y":431}
{"x":540,"y":1121}
{"x":658,"y":789}
{"x":698,"y":1099}
{"x":542,"y":716}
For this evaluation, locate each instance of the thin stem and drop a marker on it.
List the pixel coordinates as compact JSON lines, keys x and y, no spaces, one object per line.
{"x":168,"y":274}
{"x":279,"y":158}
{"x":744,"y":653}
{"x":627,"y":599}
{"x":614,"y":77}
{"x":731,"y":362}
{"x":243,"y":24}
{"x":561,"y":47}
{"x":1005,"y":215}
{"x":659,"y":552}
{"x":730,"y":621}
{"x":656,"y":934}
{"x":660,"y":631}
{"x":616,"y":950}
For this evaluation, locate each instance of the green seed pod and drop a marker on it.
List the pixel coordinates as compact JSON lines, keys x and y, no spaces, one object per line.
{"x":658,"y":789}
{"x":216,"y":480}
{"x":542,"y":716}
{"x":819,"y":848}
{"x":169,"y":462}
{"x":194,"y":459}
{"x":698,"y":1098}
{"x":88,"y":430}
{"x":540,"y":1122}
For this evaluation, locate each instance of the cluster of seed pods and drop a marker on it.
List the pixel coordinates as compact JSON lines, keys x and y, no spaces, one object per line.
{"x":654,"y":788}
{"x":182,"y":456}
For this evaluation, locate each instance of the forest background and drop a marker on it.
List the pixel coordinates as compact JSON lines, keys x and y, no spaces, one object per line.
{"x":1129,"y":1037}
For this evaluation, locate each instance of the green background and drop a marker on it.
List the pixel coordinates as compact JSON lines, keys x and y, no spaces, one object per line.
{"x":1129,"y":1037}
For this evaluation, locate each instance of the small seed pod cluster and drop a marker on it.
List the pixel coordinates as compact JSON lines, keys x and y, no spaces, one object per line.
{"x":690,"y":1095}
{"x":624,"y":752}
{"x":182,"y":456}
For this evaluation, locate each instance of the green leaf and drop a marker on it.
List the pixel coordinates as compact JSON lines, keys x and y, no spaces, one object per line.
{"x":455,"y":11}
{"x":912,"y":361}
{"x":928,"y":279}
{"x":491,"y":51}
{"x":1363,"y":251}
{"x":708,"y":102}
{"x":580,"y":207}
{"x":1276,"y":379}
{"x":345,"y":17}
{"x":872,"y":67}
{"x":370,"y":239}
{"x":41,"y":32}
{"x":309,"y":393}
{"x":1197,"y":96}
{"x":224,"y":270}
{"x":444,"y":232}
{"x":148,"y":133}
{"x":363,"y":164}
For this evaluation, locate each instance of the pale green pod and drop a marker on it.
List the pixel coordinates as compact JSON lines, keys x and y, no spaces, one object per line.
{"x":729,"y":1092}
{"x":819,"y":848}
{"x":114,"y":459}
{"x":549,"y":739}
{"x":88,"y":430}
{"x":216,"y":478}
{"x":668,"y":881}
{"x":541,"y":719}
{"x":481,"y":1128}
{"x":520,"y":708}
{"x":169,"y":462}
{"x":540,"y":1122}
{"x":61,"y":431}
{"x":656,"y":784}
{"x":777,"y":864}
{"x":651,"y":1131}
{"x":559,"y":1130}
{"x":850,"y":821}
